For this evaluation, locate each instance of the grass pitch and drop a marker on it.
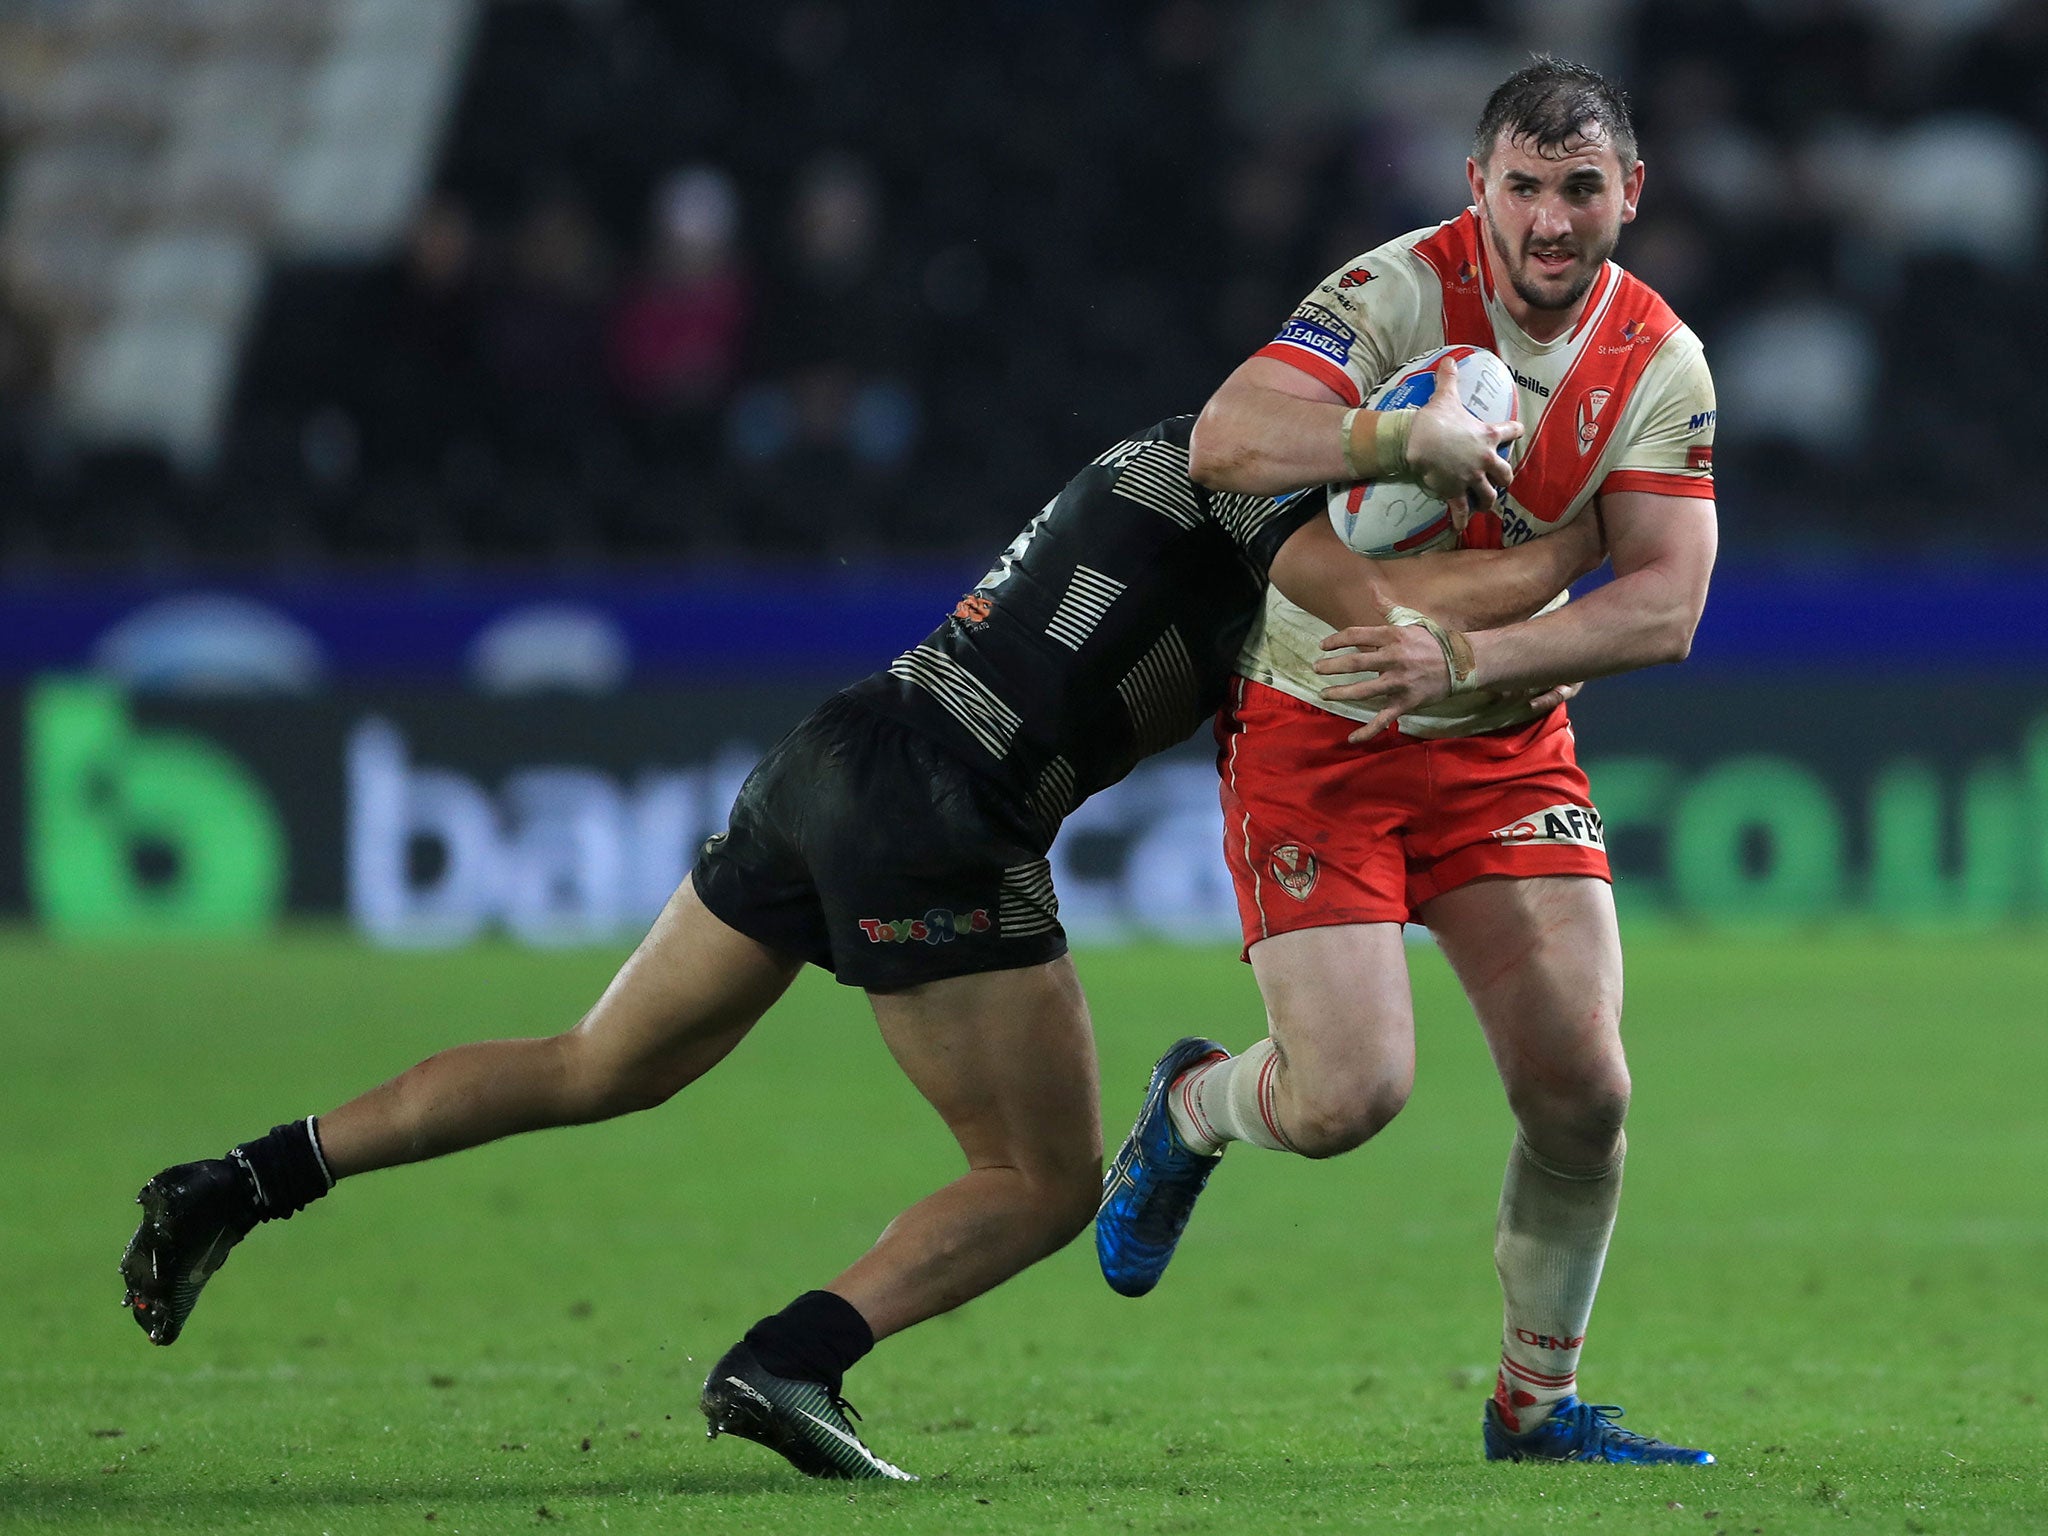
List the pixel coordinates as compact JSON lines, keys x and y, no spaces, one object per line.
{"x":1829,"y":1268}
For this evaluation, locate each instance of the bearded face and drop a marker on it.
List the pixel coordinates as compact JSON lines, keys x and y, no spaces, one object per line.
{"x":1553,"y":215}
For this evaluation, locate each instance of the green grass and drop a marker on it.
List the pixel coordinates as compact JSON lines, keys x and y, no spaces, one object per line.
{"x":1830,"y":1268}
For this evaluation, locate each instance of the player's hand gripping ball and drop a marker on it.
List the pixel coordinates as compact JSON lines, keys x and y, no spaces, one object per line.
{"x":1383,"y":519}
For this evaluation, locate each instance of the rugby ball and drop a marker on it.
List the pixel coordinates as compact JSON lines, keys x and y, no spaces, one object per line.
{"x":1385,"y":519}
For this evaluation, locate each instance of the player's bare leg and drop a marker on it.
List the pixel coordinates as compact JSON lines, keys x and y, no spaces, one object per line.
{"x":687,"y":995}
{"x":1341,"y":1037}
{"x":1540,"y":960}
{"x":1008,"y":1060}
{"x":685,"y":998}
{"x":1336,"y":1066}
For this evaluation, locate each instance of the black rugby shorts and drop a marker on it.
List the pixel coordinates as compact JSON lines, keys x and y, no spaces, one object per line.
{"x":861,"y":846}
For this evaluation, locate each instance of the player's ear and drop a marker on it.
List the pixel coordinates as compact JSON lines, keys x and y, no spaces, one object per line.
{"x":1475,"y":178}
{"x":1631,"y":192}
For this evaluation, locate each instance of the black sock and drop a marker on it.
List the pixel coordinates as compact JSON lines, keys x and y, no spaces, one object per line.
{"x":814,"y":1338}
{"x":285,"y":1169}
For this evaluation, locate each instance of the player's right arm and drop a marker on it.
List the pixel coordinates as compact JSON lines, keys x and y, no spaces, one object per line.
{"x":1271,"y":429}
{"x":1289,"y":417}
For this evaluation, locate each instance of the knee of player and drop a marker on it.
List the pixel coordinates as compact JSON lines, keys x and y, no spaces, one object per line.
{"x":1604,"y":1110}
{"x":602,"y":1083}
{"x":1067,"y":1191}
{"x":1578,"y":1124}
{"x":1333,"y":1122}
{"x":1601,"y":1104}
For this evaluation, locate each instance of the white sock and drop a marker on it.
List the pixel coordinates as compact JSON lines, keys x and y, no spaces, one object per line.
{"x":1549,"y":1246}
{"x":1229,"y":1100}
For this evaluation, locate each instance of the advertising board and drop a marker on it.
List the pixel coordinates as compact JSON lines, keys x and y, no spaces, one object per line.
{"x":432,"y":817}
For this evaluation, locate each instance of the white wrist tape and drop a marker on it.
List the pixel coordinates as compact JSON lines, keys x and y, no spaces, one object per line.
{"x":1458,"y":659}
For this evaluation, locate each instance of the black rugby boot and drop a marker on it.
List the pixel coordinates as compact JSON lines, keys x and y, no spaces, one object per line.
{"x":191,"y":1216}
{"x":804,"y":1422}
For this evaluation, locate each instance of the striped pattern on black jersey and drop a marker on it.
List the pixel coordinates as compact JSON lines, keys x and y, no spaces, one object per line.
{"x":962,"y":695}
{"x":1081,"y":608}
{"x":1026,"y":904}
{"x":1113,"y":458}
{"x":1051,"y":800}
{"x":1156,"y":476}
{"x":1243,"y":516}
{"x":1160,"y":694}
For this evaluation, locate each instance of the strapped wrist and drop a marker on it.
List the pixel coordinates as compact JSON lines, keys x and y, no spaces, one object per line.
{"x":1459,"y":662}
{"x":1376,"y":443}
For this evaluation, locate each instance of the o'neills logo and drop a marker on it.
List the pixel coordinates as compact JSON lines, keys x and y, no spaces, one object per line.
{"x":1295,"y":868}
{"x":1591,"y":404}
{"x":1549,"y":1341}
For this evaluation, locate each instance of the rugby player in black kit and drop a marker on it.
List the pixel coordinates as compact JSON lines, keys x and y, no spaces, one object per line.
{"x":898,"y":838}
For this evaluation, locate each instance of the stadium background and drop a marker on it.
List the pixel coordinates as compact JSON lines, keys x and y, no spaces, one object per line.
{"x":441,"y":362}
{"x":442,"y":442}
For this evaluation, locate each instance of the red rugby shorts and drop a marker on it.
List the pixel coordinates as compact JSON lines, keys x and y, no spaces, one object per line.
{"x":1319,"y":832}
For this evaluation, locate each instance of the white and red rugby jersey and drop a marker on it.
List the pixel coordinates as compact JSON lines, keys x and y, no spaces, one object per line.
{"x":1622,"y":402}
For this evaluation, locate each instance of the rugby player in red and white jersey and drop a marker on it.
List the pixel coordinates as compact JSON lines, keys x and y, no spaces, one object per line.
{"x":1464,"y":808}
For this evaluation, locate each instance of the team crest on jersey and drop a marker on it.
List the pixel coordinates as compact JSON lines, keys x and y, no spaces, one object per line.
{"x":973,"y":610}
{"x":1591,"y":404}
{"x":1357,"y":277}
{"x":1577,"y":825}
{"x":1296,"y":870}
{"x":1467,"y":272}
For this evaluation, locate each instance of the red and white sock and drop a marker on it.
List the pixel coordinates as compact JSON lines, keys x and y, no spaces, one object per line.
{"x":1549,"y":1247}
{"x":1229,"y":1098}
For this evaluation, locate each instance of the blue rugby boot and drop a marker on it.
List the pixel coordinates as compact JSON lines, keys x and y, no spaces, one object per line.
{"x":1577,"y":1431}
{"x":1150,"y":1188}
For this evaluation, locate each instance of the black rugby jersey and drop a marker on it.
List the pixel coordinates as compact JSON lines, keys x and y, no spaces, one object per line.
{"x":1106,"y":632}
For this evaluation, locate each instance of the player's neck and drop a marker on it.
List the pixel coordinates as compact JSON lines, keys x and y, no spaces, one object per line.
{"x":1542,"y":326}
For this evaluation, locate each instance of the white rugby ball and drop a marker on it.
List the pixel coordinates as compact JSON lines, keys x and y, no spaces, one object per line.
{"x":1384,"y":519}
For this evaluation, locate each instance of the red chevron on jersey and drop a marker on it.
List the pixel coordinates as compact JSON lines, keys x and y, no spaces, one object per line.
{"x":1624,"y":324}
{"x":1613,"y":356}
{"x":1458,"y":257}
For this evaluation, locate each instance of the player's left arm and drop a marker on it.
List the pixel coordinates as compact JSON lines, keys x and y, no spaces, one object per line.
{"x":1657,"y":504}
{"x":1657,"y":508}
{"x":1662,"y":549}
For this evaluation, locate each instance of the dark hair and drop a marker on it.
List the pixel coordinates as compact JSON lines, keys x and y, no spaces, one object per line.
{"x":1548,"y":104}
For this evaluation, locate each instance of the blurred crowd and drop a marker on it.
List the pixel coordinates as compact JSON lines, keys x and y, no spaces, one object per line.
{"x":806,"y":277}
